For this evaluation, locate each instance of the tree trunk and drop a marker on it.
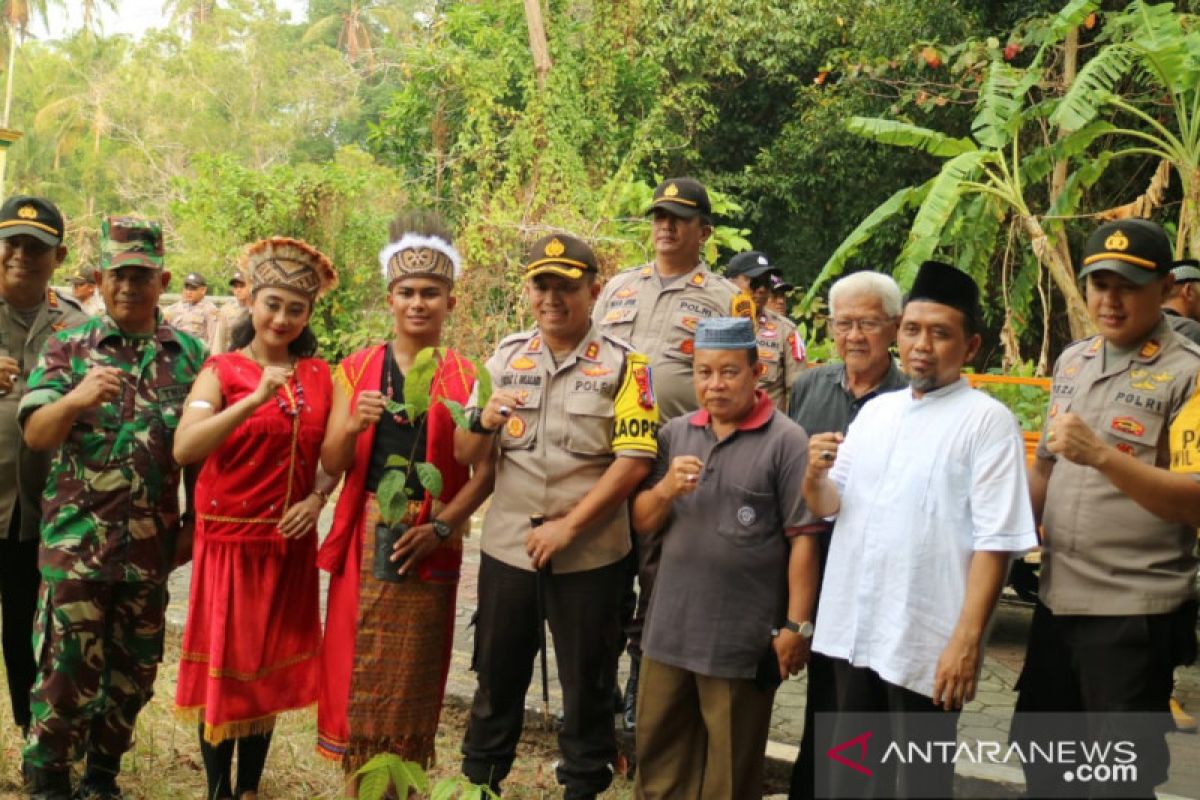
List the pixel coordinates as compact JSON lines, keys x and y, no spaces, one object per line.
{"x":1062,"y":274}
{"x":537,"y":40}
{"x":1187,"y":243}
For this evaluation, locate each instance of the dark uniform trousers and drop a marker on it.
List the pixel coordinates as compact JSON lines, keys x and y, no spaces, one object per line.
{"x":1117,"y":664}
{"x":820,"y":698}
{"x":899,"y":715}
{"x":19,"y":580}
{"x":98,"y":644}
{"x":583,"y":610}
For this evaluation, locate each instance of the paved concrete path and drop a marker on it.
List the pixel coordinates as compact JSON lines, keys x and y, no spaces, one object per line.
{"x":986,"y":718}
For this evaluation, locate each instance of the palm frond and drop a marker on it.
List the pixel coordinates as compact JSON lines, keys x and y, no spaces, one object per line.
{"x":899,"y":201}
{"x":1095,"y":81}
{"x":1040,"y":163}
{"x":1081,"y":179}
{"x":320,"y":28}
{"x":998,"y":109}
{"x":939,"y":204}
{"x":1072,"y":15}
{"x":903,"y":134}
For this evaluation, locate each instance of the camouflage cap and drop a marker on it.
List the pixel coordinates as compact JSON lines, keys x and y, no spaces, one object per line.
{"x":130,"y":241}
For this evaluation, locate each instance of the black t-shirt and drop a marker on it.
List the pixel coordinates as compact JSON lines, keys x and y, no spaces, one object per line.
{"x":396,"y":435}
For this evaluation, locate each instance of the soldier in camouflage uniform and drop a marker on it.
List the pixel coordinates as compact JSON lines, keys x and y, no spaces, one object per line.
{"x":107,"y":397}
{"x":195,"y":314}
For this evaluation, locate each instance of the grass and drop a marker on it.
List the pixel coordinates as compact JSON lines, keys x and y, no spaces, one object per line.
{"x":164,"y":763}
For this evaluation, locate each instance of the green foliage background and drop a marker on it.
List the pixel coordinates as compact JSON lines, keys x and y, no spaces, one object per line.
{"x":234,"y":122}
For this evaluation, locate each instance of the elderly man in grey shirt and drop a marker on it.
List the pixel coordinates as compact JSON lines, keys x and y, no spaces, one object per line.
{"x":864,"y":310}
{"x":731,"y":614}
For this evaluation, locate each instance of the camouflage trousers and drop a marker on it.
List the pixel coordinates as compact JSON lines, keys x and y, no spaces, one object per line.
{"x":98,"y":647}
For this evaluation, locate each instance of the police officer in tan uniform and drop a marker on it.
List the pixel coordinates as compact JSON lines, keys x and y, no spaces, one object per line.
{"x":31,"y":248}
{"x":572,"y":427}
{"x":1116,"y":484}
{"x":194,"y":314}
{"x":656,"y":308}
{"x":231,"y":314}
{"x":780,"y":352}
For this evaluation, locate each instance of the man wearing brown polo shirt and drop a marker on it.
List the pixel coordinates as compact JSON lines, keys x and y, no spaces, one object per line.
{"x":1116,"y":484}
{"x":571,"y":428}
{"x":732,"y":611}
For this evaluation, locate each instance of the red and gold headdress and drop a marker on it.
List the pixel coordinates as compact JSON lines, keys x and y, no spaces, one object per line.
{"x":288,"y":264}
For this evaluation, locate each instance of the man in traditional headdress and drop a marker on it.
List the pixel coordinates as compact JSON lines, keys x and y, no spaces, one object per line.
{"x":105,"y":398}
{"x":929,"y":490}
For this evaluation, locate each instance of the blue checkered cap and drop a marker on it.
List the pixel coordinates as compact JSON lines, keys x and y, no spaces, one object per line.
{"x":725,"y":333}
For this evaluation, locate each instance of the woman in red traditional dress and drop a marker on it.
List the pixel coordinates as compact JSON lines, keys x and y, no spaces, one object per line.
{"x":387,"y":644}
{"x":256,"y":417}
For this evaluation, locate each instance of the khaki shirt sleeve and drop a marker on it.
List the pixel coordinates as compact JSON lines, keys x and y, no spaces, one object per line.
{"x":635,"y":411}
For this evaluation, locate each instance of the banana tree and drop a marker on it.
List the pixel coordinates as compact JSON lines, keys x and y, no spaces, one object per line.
{"x":1152,"y":44}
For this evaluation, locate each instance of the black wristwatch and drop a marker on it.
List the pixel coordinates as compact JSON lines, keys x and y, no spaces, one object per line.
{"x":475,"y":418}
{"x":805,"y":629}
{"x":442,"y":529}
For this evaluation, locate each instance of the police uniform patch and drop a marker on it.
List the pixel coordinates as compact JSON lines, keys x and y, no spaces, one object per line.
{"x":515,"y":427}
{"x":767,"y":331}
{"x":593,"y":350}
{"x":687,"y":347}
{"x":690,"y":323}
{"x":630,"y":292}
{"x":522,"y":363}
{"x":1126,"y":448}
{"x":742,"y":305}
{"x":535,"y":345}
{"x":634,"y":408}
{"x":697,"y":279}
{"x":797,"y":346}
{"x":746,"y":516}
{"x":596,"y":371}
{"x":1128,"y":425}
{"x":1150,"y":349}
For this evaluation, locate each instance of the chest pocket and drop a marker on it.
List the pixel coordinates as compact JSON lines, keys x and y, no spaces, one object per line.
{"x":681,"y":333}
{"x":618,"y":318}
{"x":749,"y":518}
{"x":946,"y":480}
{"x":520,"y":431}
{"x":170,"y":403}
{"x":590,"y":426}
{"x":769,"y":362}
{"x":1134,"y":432}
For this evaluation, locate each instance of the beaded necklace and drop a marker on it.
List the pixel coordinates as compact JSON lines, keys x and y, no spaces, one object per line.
{"x":294,"y":403}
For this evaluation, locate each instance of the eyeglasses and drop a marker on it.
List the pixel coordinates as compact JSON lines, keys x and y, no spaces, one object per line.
{"x":867,"y":326}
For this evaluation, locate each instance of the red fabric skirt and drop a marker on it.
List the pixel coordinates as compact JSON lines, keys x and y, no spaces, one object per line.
{"x":251,"y":648}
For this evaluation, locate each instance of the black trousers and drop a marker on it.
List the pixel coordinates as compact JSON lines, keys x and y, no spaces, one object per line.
{"x":896,"y":714}
{"x":1102,"y":676}
{"x":647,"y":552}
{"x":584,"y":613}
{"x":820,"y":698}
{"x":19,"y":584}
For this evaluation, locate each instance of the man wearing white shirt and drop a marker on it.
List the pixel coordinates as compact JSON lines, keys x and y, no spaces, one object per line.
{"x":929,"y":489}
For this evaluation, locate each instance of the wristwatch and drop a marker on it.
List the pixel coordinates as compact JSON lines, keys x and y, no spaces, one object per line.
{"x":475,"y":420}
{"x":442,"y":529}
{"x":805,"y":629}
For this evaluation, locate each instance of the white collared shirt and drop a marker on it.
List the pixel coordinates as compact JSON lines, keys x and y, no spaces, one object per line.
{"x":924,"y":483}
